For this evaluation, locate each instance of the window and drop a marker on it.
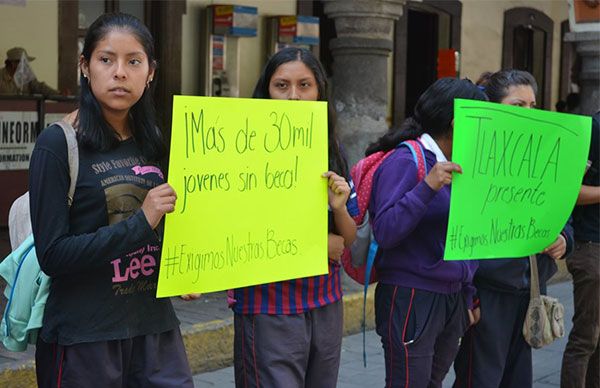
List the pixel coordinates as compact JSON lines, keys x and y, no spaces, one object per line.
{"x":527,"y":45}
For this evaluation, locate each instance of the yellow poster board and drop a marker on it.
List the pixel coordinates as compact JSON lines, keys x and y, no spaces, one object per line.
{"x":251,"y":201}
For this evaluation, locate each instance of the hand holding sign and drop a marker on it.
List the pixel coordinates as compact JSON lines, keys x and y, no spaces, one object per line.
{"x":557,"y":249}
{"x":189,"y":297}
{"x":338,"y":190}
{"x":335,"y":246}
{"x":441,"y":174}
{"x":159,"y":201}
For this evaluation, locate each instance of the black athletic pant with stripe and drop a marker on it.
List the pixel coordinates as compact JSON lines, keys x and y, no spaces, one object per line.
{"x":148,"y":361}
{"x":420,"y":333}
{"x":494,"y":353}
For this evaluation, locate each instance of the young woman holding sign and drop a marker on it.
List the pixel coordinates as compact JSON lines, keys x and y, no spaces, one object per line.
{"x":289,"y":334}
{"x":103,"y":325}
{"x":493,"y":352}
{"x":423,"y":304}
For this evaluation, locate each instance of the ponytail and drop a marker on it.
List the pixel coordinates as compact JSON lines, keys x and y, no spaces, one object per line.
{"x":410,"y":129}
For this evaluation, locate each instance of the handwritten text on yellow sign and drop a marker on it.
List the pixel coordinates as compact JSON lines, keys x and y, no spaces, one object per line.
{"x":252,"y":205}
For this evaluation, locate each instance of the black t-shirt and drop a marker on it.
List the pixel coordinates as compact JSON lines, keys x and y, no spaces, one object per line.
{"x":586,"y":219}
{"x":101,"y":254}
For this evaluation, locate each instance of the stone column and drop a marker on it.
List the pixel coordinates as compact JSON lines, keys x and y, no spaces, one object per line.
{"x":587,"y":45}
{"x":364,"y":42}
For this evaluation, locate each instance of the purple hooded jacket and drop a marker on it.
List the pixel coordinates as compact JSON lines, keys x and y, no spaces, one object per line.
{"x":409,"y":221}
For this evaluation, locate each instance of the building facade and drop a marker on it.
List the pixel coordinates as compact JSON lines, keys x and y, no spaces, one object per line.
{"x":380,"y":54}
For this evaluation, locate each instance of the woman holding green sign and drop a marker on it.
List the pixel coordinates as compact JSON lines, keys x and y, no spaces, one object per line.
{"x":494,"y":353}
{"x":289,"y":333}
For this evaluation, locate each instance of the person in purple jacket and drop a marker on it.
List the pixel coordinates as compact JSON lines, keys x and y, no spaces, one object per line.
{"x":423,"y":304}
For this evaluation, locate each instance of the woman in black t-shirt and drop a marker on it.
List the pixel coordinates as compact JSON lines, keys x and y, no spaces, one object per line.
{"x":103,"y":325}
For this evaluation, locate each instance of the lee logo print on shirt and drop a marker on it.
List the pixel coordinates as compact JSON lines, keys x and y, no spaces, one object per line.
{"x":126,"y":183}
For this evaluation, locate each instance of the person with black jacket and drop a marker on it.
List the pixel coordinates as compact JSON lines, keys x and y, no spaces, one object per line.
{"x":103,"y":325}
{"x":581,"y":359}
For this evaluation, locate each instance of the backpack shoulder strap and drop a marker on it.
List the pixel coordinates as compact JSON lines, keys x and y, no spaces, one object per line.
{"x":73,"y":155}
{"x":418,"y":153}
{"x":362,"y":174}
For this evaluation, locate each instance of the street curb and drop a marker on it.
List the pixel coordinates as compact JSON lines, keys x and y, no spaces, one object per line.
{"x":209,"y":345}
{"x":19,"y":375}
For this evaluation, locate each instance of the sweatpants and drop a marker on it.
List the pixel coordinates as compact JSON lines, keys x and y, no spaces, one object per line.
{"x":291,"y":351}
{"x":149,"y":361}
{"x":420,"y":333}
{"x":581,"y":359}
{"x":494,"y":353}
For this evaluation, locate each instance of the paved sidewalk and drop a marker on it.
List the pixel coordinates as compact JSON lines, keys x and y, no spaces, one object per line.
{"x":546,"y":362}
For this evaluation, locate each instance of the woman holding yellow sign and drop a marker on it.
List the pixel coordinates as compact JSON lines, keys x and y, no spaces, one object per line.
{"x":289,"y":333}
{"x":494,"y":353}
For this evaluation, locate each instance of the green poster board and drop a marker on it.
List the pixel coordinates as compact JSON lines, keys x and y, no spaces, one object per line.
{"x":522,"y":171}
{"x":251,"y":201}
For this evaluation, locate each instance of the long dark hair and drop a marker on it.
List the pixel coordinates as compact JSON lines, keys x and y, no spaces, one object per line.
{"x":337,"y":162}
{"x":498,"y":83}
{"x":94,"y":131}
{"x":433,"y":113}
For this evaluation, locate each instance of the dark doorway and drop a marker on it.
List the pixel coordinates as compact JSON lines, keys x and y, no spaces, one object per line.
{"x":528,"y":54}
{"x":425,"y":30}
{"x":527,"y":45}
{"x":421,"y":55}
